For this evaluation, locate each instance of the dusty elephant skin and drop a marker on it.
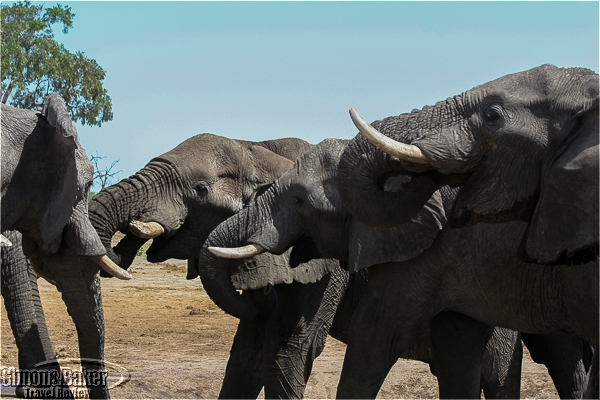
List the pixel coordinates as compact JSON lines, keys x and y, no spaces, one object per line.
{"x":24,"y":310}
{"x":527,"y":144}
{"x":46,"y":177}
{"x":177,"y":199}
{"x":523,"y":147}
{"x":417,"y":270}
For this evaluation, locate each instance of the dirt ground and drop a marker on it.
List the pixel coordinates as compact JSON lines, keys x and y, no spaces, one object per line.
{"x":174,"y":342}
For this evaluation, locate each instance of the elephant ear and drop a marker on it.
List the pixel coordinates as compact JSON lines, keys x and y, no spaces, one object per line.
{"x":63,"y":146}
{"x":268,"y":166}
{"x":565,"y":219}
{"x":370,"y":245}
{"x":267,"y":268}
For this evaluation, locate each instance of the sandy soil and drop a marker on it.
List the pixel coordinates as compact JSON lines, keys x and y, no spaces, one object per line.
{"x":175,"y":342}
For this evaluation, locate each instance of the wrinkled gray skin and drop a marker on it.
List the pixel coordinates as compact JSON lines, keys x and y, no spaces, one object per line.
{"x":189,"y":191}
{"x":523,"y":147}
{"x":46,"y":177}
{"x":410,"y":284}
{"x":24,"y":311}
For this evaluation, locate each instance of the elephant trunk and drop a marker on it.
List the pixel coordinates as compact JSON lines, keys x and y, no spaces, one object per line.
{"x":116,"y":207}
{"x":215,"y":272}
{"x":364,"y":168}
{"x":362,"y":173}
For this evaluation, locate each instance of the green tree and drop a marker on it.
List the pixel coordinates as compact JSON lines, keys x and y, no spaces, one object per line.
{"x":34,"y":64}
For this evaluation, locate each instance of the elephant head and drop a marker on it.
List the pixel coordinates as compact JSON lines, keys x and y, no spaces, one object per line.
{"x":46,"y":177}
{"x":303,"y":211}
{"x":178,"y":198}
{"x":523,"y":147}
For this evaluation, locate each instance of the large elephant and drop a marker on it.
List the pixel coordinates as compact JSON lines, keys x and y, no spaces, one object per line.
{"x":417,"y":270}
{"x":46,"y":177}
{"x":177,"y":199}
{"x":523,"y":147}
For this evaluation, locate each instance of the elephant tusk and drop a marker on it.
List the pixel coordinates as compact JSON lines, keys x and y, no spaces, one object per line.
{"x":237,"y":252}
{"x":4,"y":242}
{"x":403,"y":151}
{"x":37,"y":265}
{"x":109,"y":266}
{"x":146,"y":230}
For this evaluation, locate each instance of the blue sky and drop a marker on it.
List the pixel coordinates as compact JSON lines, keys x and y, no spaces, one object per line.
{"x":264,"y":70}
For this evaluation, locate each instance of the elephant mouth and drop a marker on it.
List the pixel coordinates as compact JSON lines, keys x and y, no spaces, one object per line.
{"x":183,"y":245}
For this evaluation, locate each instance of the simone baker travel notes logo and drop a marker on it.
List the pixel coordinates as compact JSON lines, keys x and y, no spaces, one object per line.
{"x":63,"y":378}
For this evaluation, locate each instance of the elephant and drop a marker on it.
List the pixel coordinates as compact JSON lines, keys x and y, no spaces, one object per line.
{"x":418,"y":272}
{"x":46,"y":177}
{"x":177,"y":199}
{"x":523,"y":147}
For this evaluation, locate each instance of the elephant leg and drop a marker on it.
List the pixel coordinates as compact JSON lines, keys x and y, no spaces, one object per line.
{"x":297,"y":335}
{"x":567,"y":357}
{"x":458,"y":347}
{"x":370,"y":353}
{"x":244,"y":373}
{"x":502,"y":363}
{"x":78,"y":280}
{"x":26,"y":316}
{"x":470,"y":355}
{"x":593,"y":388}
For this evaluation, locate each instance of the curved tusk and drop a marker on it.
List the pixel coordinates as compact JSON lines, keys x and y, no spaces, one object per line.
{"x":4,"y":242}
{"x":146,"y":230}
{"x":109,"y":266}
{"x":37,"y":265}
{"x":248,"y":251}
{"x":403,"y":151}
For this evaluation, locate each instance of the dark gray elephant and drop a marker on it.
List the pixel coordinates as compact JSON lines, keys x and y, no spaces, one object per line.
{"x":418,"y":270}
{"x":177,"y":199}
{"x":46,"y":177}
{"x":523,"y":147}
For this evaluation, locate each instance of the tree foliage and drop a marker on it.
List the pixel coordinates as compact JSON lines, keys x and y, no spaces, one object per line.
{"x":34,"y":64}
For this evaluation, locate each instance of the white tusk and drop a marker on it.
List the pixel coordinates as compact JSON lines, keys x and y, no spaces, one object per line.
{"x":403,"y":151}
{"x":146,"y":230}
{"x":109,"y":266}
{"x":4,"y":242}
{"x":237,"y":252}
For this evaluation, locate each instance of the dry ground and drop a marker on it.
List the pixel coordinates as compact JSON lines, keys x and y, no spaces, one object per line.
{"x":175,"y":342}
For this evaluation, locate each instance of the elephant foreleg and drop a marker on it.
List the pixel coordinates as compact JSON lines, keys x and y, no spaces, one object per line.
{"x":79,"y":282}
{"x":470,"y":356}
{"x":26,"y":316}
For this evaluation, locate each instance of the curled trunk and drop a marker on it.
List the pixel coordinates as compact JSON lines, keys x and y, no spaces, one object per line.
{"x":116,"y":206}
{"x":364,"y":168}
{"x":215,"y":272}
{"x":362,"y":173}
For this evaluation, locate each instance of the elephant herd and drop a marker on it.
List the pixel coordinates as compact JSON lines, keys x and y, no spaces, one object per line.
{"x":450,"y":235}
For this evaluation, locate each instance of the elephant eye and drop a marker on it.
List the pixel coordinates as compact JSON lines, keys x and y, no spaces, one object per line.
{"x":298,"y":200}
{"x":493,"y":113}
{"x":201,"y":189}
